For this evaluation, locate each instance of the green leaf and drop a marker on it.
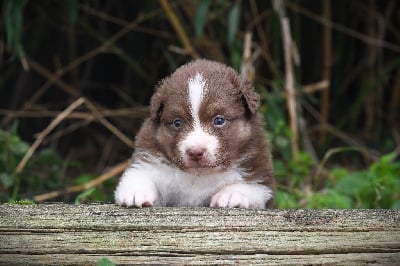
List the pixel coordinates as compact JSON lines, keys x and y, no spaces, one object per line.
{"x":280,"y":169}
{"x":72,"y":6}
{"x":282,"y":142}
{"x":395,"y":205}
{"x":352,"y":184}
{"x":84,"y":178}
{"x":84,"y":194}
{"x":6,"y":180}
{"x":388,"y":158}
{"x":13,"y":20}
{"x":285,"y":200}
{"x":339,"y":173}
{"x":17,"y":146}
{"x":22,"y":202}
{"x":328,"y":199}
{"x":105,"y":262}
{"x":235,"y":54}
{"x":200,"y":17}
{"x":233,"y":22}
{"x":13,"y":130}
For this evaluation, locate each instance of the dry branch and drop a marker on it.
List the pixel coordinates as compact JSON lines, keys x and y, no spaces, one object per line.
{"x":134,"y":113}
{"x":247,"y":69}
{"x":20,"y":167}
{"x":108,"y":125}
{"x":63,"y":116}
{"x":327,"y":64}
{"x":310,"y":88}
{"x":55,"y":78}
{"x":91,"y":106}
{"x":289,"y":54}
{"x":116,"y":170}
{"x":265,"y":51}
{"x":177,"y":25}
{"x":289,"y":85}
{"x":345,"y":30}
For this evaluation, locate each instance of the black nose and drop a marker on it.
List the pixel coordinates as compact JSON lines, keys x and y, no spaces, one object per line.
{"x":195,"y":154}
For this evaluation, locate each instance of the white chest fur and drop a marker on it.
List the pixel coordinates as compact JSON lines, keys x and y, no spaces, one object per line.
{"x":153,"y":183}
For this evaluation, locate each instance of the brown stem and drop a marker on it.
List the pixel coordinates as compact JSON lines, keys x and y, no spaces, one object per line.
{"x":327,"y":64}
{"x":116,"y":170}
{"x":176,"y":24}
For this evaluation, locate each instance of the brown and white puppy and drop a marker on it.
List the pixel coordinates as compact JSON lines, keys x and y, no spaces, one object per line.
{"x":203,"y":144}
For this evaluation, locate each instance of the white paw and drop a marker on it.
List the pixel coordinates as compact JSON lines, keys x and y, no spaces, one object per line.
{"x":229,"y":199}
{"x":242,"y":196}
{"x":136,"y":198}
{"x":135,"y":192}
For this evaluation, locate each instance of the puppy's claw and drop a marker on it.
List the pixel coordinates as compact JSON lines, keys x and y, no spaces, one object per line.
{"x":144,"y":200}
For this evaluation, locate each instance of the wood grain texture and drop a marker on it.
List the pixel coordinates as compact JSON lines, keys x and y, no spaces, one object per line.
{"x":62,"y":234}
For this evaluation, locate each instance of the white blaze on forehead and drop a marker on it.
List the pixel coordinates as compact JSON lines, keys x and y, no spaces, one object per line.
{"x":198,"y":137}
{"x":196,"y":90}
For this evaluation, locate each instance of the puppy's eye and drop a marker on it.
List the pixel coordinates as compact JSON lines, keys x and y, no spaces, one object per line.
{"x":178,"y":123}
{"x":219,"y":121}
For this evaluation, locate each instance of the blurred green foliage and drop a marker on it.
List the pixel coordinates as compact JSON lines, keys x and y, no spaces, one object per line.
{"x":123,"y":74}
{"x":376,"y":187}
{"x":45,"y":171}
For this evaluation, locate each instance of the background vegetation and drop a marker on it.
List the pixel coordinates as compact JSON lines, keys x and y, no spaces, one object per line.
{"x":76,"y":76}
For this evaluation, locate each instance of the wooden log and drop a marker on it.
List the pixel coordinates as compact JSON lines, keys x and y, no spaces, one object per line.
{"x":62,"y":234}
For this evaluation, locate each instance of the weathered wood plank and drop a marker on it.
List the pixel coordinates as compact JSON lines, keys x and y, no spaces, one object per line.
{"x":179,"y":259}
{"x":61,"y":234}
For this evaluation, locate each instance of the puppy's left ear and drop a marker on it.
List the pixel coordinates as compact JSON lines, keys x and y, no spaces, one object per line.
{"x":156,"y":107}
{"x":250,"y":97}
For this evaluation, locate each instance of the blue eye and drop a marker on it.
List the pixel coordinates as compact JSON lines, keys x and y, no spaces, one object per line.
{"x":178,"y":123}
{"x":219,"y":121}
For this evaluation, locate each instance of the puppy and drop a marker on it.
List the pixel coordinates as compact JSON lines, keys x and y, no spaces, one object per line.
{"x":203,"y":144}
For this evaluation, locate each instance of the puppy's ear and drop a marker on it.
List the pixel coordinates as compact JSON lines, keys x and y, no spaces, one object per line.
{"x":250,"y":97}
{"x":156,"y":107}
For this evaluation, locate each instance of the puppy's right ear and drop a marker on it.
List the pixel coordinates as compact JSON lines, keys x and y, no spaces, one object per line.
{"x":250,"y":97}
{"x":156,"y":107}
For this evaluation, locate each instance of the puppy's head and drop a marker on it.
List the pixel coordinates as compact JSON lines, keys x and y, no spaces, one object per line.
{"x":202,"y":115}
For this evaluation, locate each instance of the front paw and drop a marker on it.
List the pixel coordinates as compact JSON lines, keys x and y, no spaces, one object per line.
{"x":242,"y":195}
{"x":136,"y":198}
{"x":135,"y":193}
{"x":229,"y":198}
